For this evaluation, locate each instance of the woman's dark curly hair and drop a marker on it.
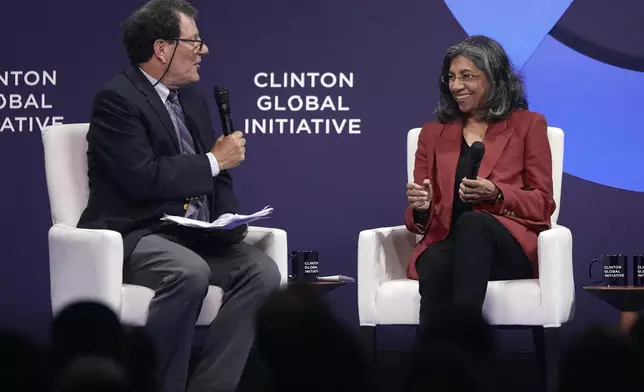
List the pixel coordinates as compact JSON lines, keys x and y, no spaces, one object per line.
{"x":505,"y":92}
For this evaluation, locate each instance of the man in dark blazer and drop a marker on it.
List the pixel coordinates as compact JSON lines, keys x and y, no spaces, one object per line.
{"x":152,"y":151}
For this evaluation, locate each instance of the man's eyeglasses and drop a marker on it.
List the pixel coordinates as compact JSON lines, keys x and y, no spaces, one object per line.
{"x":199,"y":42}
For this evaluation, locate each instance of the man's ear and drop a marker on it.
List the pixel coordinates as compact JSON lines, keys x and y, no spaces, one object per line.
{"x":162,"y":50}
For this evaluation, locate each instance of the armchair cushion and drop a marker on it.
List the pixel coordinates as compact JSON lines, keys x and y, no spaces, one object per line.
{"x":506,"y":302}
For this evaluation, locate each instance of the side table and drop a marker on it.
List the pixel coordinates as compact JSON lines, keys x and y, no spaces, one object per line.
{"x":627,"y":299}
{"x":321,"y":287}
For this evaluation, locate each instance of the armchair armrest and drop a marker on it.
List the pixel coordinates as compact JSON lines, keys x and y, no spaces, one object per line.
{"x":85,"y":265}
{"x":383,"y":255}
{"x":556,"y":273}
{"x":273,"y":243}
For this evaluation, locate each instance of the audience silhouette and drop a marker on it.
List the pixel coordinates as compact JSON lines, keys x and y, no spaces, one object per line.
{"x":304,"y":347}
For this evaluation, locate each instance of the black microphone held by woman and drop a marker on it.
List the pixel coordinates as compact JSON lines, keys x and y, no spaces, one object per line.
{"x":477,"y":150}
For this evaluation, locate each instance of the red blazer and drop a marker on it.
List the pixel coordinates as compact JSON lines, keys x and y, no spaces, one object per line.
{"x":517,"y":159}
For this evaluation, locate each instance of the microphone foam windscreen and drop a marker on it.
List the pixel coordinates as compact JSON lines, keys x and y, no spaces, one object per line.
{"x":477,"y":150}
{"x":221,"y":95}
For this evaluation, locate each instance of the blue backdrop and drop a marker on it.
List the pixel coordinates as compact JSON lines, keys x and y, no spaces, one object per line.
{"x":582,"y":62}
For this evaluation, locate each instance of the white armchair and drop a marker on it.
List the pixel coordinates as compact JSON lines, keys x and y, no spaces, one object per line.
{"x":387,"y":297}
{"x":87,"y":264}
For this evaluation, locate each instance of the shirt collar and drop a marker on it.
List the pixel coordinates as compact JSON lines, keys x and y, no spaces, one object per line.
{"x":160,"y":88}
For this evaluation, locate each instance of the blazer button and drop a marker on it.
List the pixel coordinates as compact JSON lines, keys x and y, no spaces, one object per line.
{"x":185,"y":207}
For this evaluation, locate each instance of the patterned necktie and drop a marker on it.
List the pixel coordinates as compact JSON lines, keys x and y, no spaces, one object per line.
{"x":198,"y":207}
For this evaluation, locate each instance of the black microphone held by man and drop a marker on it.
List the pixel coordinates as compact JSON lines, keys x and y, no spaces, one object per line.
{"x":223,"y":104}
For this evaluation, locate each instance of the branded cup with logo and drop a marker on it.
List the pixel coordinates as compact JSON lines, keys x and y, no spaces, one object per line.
{"x":614,"y":270}
{"x":304,"y":265}
{"x":638,"y":270}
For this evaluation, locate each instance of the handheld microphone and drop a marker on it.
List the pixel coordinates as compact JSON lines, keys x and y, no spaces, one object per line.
{"x":477,"y":150}
{"x":221,"y":97}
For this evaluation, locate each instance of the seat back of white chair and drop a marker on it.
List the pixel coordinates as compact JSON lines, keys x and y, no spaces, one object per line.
{"x":65,"y":150}
{"x":555,"y":137}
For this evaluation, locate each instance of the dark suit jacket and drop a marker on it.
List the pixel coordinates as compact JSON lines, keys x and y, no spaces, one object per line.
{"x":136,"y":171}
{"x":517,"y":159}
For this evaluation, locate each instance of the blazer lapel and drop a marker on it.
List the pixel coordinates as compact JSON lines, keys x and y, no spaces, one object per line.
{"x":496,"y":138}
{"x":144,"y":85}
{"x":448,"y":149}
{"x":188,"y":104}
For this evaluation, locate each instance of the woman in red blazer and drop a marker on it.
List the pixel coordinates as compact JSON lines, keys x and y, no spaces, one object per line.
{"x":484,"y":229}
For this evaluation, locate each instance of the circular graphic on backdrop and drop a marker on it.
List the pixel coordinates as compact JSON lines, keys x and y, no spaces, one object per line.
{"x":585,"y":80}
{"x":619,"y":41}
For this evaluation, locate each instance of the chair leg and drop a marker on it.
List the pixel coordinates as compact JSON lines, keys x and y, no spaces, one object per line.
{"x":370,"y":341}
{"x":546,"y":343}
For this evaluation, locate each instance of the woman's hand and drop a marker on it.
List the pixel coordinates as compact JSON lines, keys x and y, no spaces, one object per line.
{"x":477,"y":191}
{"x":419,"y":197}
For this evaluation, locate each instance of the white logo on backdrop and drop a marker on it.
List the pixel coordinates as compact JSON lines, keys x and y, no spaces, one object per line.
{"x":317,"y":113}
{"x":30,"y":99}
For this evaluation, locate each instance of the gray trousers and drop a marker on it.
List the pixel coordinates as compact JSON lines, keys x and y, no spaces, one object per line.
{"x":180,"y":278}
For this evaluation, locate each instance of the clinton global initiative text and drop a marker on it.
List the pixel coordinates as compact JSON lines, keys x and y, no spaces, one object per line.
{"x":28,"y":124}
{"x":303,"y":79}
{"x":315,"y":126}
{"x":27,"y":109}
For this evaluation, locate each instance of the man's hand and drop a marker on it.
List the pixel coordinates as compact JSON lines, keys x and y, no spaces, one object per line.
{"x":477,"y":191}
{"x":229,"y":150}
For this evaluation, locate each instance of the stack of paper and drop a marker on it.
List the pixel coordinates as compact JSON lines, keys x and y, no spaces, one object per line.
{"x":335,"y":278}
{"x":225,"y":223}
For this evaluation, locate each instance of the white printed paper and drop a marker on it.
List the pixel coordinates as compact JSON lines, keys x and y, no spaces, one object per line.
{"x":225,"y":223}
